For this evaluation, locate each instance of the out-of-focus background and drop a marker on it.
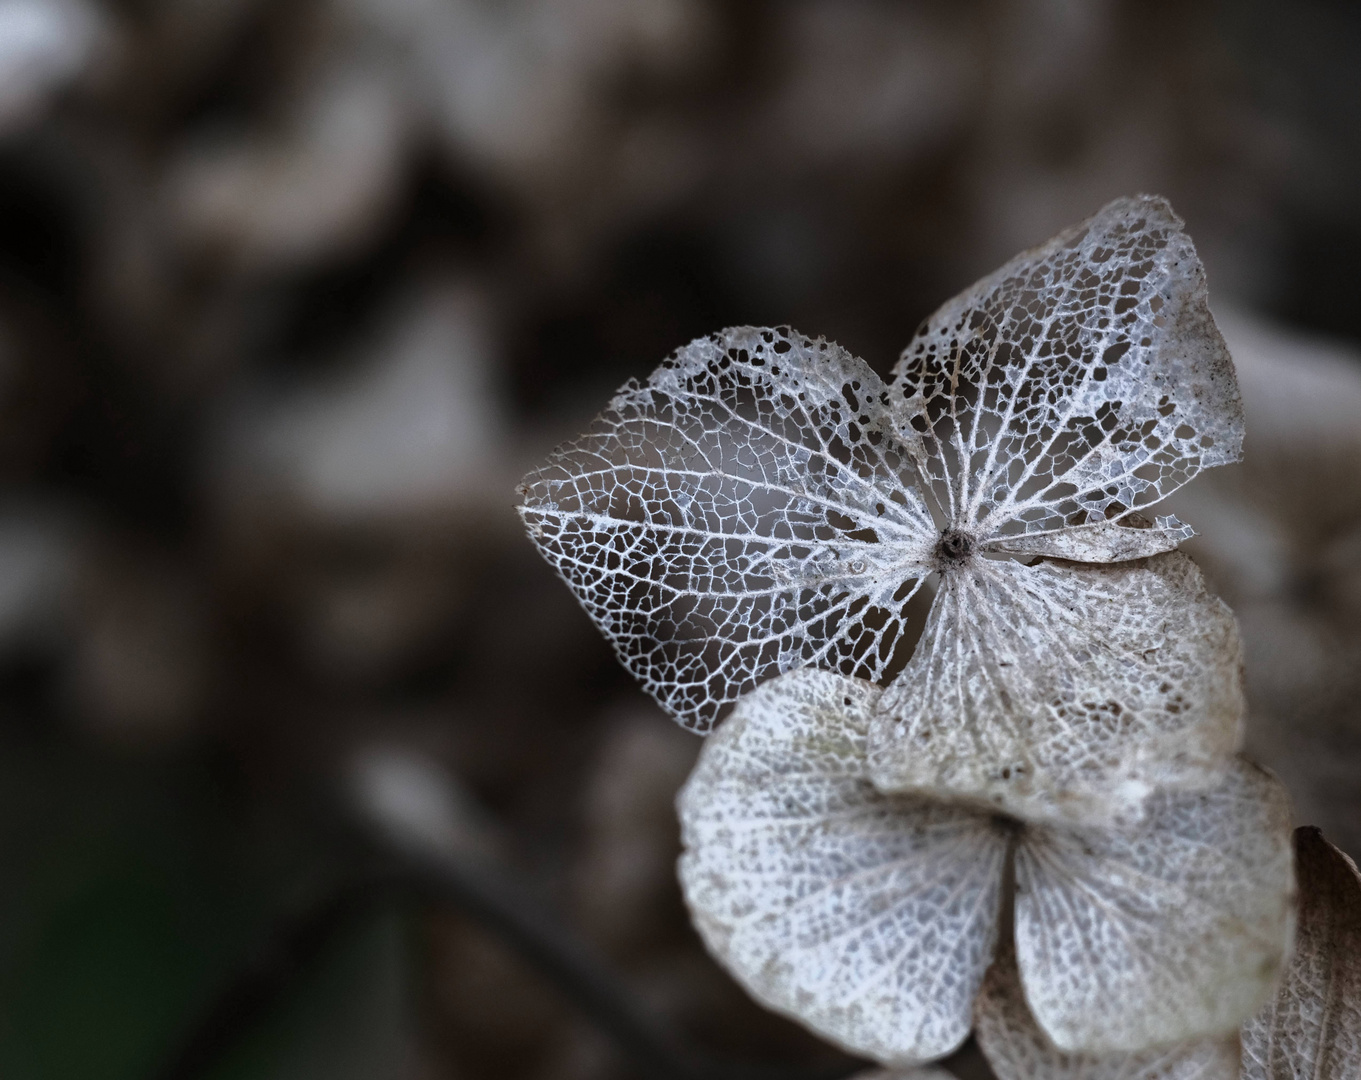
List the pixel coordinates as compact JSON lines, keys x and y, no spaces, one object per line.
{"x":292,"y":292}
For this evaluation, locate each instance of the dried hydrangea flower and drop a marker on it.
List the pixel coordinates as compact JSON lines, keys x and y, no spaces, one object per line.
{"x":1017,"y":1049}
{"x":1311,"y":1030}
{"x":872,"y":918}
{"x":766,"y":502}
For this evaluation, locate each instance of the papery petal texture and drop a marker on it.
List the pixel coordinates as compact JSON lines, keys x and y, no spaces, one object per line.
{"x":1170,"y":929}
{"x":1065,"y":692}
{"x":1311,"y":1029}
{"x":1017,"y":1049}
{"x":746,"y":511}
{"x":869,"y":918}
{"x":1083,"y":379}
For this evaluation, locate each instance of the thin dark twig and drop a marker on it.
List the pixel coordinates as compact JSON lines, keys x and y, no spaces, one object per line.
{"x":487,"y":896}
{"x":287,"y":956}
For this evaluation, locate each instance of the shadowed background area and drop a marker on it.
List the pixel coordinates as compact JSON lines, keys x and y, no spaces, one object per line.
{"x":308,"y":765}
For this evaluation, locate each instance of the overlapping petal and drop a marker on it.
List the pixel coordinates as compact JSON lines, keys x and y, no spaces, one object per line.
{"x":1170,"y":929}
{"x":1311,"y":1028}
{"x":867,"y":917}
{"x":1065,"y":692}
{"x":1083,"y":379}
{"x":1017,"y":1049}
{"x":746,"y":511}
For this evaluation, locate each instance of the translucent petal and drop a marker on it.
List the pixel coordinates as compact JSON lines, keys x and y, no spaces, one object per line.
{"x":1102,"y":542}
{"x":1311,"y":1030}
{"x":1017,"y":1049}
{"x":869,"y":918}
{"x":743,"y":513}
{"x":1084,"y":378}
{"x":1171,"y":929}
{"x":1065,"y":692}
{"x":919,"y":1072}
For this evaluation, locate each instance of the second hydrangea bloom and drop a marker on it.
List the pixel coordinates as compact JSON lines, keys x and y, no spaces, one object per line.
{"x":873,"y":917}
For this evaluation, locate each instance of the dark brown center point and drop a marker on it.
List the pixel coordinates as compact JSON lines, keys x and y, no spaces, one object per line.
{"x":1006,"y":825}
{"x":954,"y":547}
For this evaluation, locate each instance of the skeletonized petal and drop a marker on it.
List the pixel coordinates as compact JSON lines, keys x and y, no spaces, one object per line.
{"x":1171,"y":929}
{"x":869,"y":918}
{"x":1017,"y":1049}
{"x":737,"y":516}
{"x":1065,"y":692}
{"x":1311,"y":1030}
{"x":1083,"y":379}
{"x":917,"y":1072}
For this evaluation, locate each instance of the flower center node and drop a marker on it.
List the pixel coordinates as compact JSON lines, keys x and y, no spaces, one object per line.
{"x":954,"y":547}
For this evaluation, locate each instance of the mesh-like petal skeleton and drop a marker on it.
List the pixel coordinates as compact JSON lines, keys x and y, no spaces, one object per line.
{"x":1311,"y":1029}
{"x":764,"y":502}
{"x":1017,"y":1049}
{"x":872,"y":918}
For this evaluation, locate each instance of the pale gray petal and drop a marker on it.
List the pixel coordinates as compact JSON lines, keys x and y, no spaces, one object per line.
{"x":1017,"y":1049}
{"x":869,"y":918}
{"x":747,"y":511}
{"x":1311,"y":1029}
{"x":1084,"y":378}
{"x":1102,"y":542}
{"x":1171,"y":929}
{"x":1065,"y":692}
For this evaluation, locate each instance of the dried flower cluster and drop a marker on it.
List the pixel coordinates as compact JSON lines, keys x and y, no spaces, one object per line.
{"x":750,"y":528}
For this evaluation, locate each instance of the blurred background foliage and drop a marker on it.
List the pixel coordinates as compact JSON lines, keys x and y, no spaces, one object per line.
{"x":291,"y":294}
